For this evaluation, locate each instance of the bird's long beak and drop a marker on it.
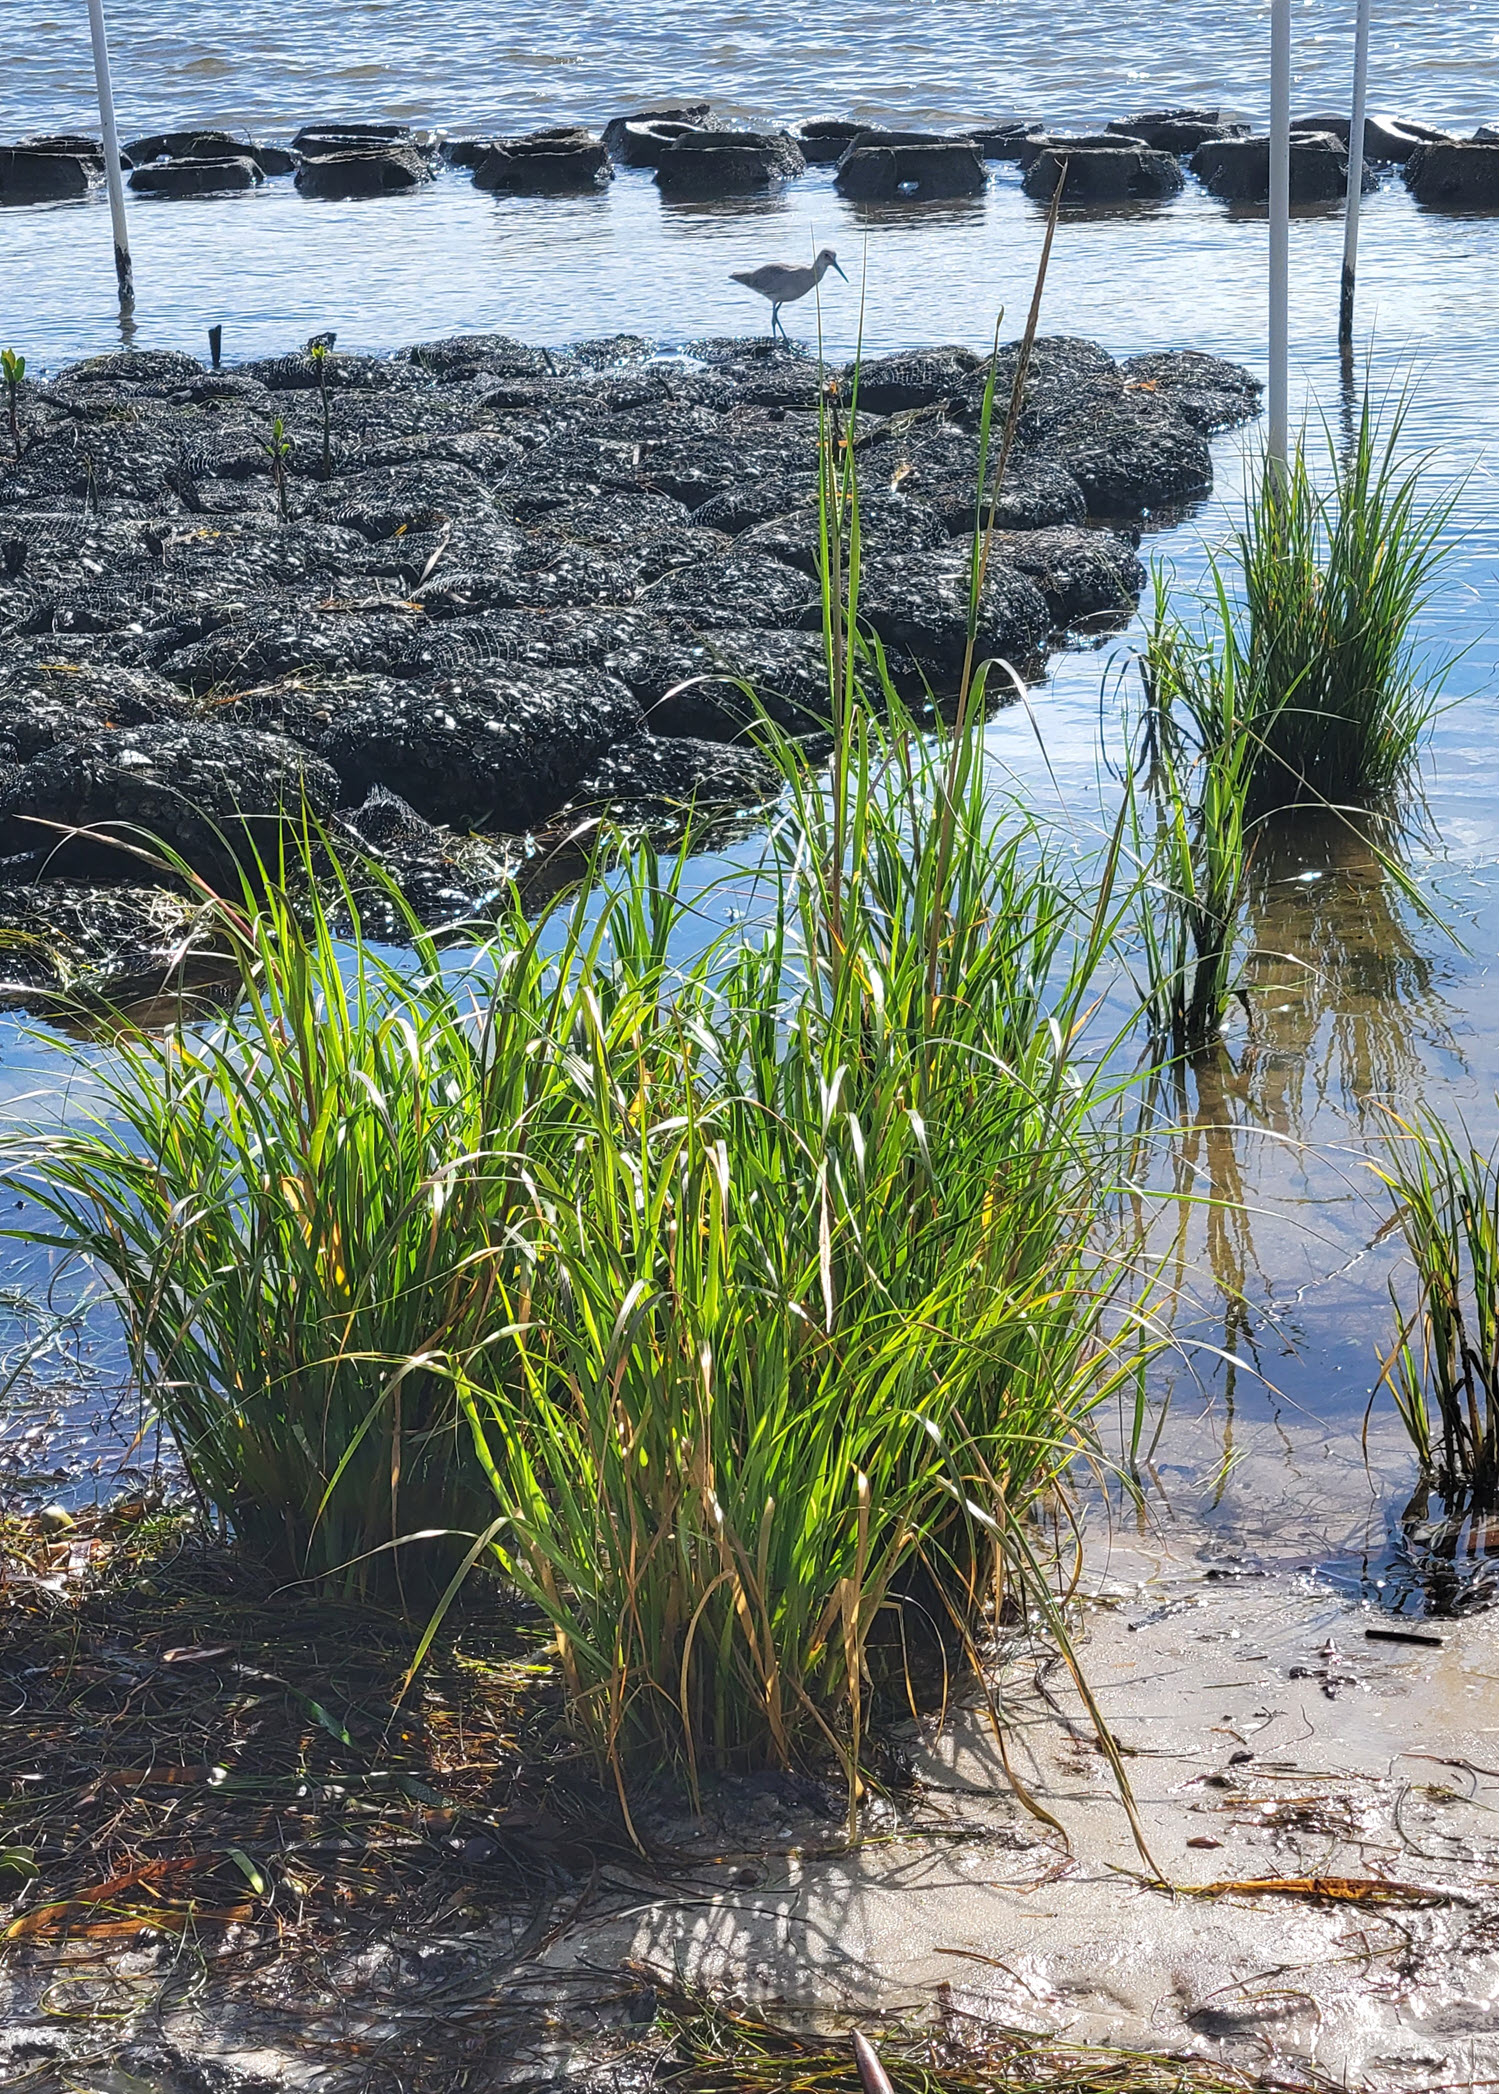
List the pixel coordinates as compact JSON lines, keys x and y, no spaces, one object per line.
{"x":841,"y":273}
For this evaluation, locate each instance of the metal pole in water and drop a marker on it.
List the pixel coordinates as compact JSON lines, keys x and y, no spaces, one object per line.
{"x":111,"y":153}
{"x":1280,"y":203}
{"x":1356,"y":173}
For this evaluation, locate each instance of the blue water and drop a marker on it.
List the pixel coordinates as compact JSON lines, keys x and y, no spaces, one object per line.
{"x":277,"y":63}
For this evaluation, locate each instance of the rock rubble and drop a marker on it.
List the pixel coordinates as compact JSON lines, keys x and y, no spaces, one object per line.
{"x":695,"y":158}
{"x":533,"y":587}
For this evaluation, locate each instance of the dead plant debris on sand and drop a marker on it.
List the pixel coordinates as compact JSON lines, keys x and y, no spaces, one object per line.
{"x":186,"y":1745}
{"x":714,"y":2048}
{"x":225,"y":1838}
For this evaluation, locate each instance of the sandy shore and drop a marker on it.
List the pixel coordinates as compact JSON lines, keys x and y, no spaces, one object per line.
{"x":1266,"y":1736}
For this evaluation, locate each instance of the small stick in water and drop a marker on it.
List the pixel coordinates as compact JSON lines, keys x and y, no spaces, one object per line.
{"x":215,"y":344}
{"x":873,"y":2076}
{"x":1405,"y":1636}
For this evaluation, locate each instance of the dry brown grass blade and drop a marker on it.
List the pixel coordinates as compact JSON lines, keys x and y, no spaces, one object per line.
{"x":164,"y":1919}
{"x":131,"y":1778}
{"x":59,"y":1917}
{"x":1345,"y":1890}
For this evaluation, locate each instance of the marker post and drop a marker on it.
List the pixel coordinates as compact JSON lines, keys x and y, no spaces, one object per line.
{"x":1280,"y":214}
{"x":1356,"y":174}
{"x":111,"y":136}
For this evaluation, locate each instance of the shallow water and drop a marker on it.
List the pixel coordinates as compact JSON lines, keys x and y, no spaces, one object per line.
{"x":1373,"y":1000}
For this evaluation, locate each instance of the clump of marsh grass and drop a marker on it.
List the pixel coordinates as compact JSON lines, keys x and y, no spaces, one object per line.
{"x":1312,"y":619}
{"x":812,"y":1302}
{"x":1333,"y":586}
{"x":1443,"y":1370}
{"x":293,"y":1205}
{"x":1298,"y":684}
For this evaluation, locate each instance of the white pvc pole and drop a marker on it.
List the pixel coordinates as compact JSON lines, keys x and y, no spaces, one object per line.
{"x":1356,"y":172}
{"x":111,"y":153}
{"x":1280,"y":202}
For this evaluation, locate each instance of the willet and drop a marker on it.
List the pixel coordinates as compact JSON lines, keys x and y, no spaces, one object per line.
{"x":783,"y":284}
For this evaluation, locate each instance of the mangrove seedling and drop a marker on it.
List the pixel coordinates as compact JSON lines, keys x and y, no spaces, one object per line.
{"x":13,"y":368}
{"x":318,"y":351}
{"x":278,"y":448}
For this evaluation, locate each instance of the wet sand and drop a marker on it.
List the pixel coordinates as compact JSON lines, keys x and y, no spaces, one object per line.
{"x":1265,"y":1736}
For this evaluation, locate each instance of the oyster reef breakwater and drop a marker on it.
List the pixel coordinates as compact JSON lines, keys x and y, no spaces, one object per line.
{"x":479,"y":586}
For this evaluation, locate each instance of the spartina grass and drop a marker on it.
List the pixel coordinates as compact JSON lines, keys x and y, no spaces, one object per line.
{"x":1326,"y":588}
{"x":1443,"y":1371}
{"x":295,"y":1206}
{"x":1186,"y":796}
{"x":12,"y":371}
{"x":815,"y":1303}
{"x":1334,"y":583}
{"x":1298,"y":683}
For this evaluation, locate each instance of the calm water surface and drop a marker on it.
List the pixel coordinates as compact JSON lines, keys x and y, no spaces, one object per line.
{"x":1286,"y":1267}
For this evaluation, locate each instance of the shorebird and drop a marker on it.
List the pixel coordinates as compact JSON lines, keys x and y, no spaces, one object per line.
{"x":783,"y":284}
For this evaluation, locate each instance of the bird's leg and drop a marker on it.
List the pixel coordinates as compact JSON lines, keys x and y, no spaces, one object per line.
{"x":776,"y":325}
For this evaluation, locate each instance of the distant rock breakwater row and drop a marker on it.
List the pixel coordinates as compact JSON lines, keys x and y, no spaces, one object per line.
{"x":692,"y":157}
{"x":508,"y":587}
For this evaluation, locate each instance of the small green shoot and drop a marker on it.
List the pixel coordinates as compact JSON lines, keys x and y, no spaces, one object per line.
{"x":13,"y":370}
{"x":318,"y":351}
{"x":278,"y":448}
